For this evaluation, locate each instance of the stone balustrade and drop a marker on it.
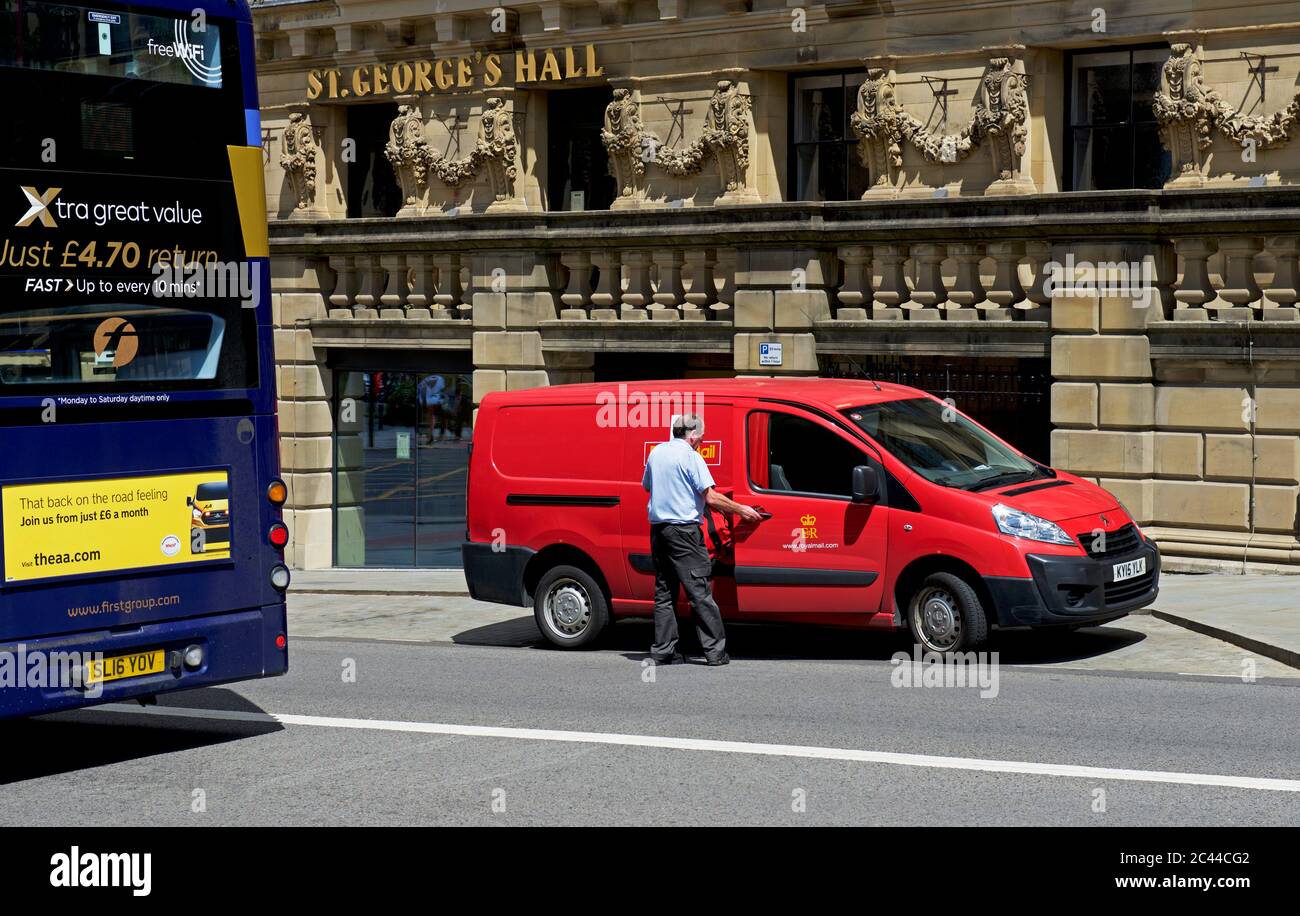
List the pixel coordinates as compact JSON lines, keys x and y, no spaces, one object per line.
{"x":961,"y":260}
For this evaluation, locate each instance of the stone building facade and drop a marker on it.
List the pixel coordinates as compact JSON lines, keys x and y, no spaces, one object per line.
{"x":1080,"y":221}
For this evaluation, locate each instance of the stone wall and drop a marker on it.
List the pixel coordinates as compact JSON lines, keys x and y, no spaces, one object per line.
{"x":1188,"y":407}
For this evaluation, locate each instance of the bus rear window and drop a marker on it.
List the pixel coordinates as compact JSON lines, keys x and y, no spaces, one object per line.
{"x":124,"y":346}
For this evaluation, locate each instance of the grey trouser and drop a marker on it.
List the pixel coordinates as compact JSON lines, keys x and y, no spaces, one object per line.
{"x":682,"y":559}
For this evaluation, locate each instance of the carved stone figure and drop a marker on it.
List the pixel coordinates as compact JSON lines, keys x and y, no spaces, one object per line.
{"x":883,"y":126}
{"x":1188,"y":111}
{"x":725,"y":138}
{"x":496,"y":140}
{"x":726,"y":134}
{"x":299,"y":159}
{"x":880,"y":124}
{"x":1184,"y":109}
{"x":1001,"y":115}
{"x":414,"y":160}
{"x":407,"y":151}
{"x":629,"y":145}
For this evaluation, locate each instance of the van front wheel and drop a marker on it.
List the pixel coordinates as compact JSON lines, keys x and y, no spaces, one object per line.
{"x":945,"y":615}
{"x":570,"y":607}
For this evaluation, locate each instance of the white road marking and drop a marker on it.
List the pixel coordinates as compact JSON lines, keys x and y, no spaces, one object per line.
{"x":1027,"y":768}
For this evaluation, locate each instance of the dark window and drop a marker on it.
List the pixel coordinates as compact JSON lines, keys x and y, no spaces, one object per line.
{"x":578,"y":176}
{"x":824,"y":163}
{"x":1012,"y":397}
{"x":1113,"y":141}
{"x":789,"y":453}
{"x":372,"y":186}
{"x":114,"y":89}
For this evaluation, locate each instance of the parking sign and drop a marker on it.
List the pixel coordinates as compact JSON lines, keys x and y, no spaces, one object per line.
{"x":769,"y":354}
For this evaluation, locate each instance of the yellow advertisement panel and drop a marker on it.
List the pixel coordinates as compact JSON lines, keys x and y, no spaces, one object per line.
{"x":70,"y":527}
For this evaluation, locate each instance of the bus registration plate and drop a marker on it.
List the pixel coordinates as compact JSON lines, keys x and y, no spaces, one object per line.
{"x":120,"y":667}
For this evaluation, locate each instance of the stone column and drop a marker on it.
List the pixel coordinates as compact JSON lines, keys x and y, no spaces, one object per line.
{"x":1282,"y":293}
{"x":639,"y":292}
{"x":607,"y":297}
{"x":892,"y":293}
{"x":855,"y":292}
{"x":1195,"y":291}
{"x":699,"y":264}
{"x":306,"y":420}
{"x":930,"y":294}
{"x":577,"y":293}
{"x":1240,"y":291}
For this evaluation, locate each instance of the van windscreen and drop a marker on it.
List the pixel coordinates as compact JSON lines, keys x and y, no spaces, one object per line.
{"x":941,"y":445}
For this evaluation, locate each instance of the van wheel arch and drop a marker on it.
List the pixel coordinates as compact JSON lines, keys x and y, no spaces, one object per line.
{"x":555,"y":555}
{"x":916,"y":572}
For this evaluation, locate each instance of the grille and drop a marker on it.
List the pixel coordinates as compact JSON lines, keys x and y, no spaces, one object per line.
{"x":1120,"y":592}
{"x":1116,"y":543}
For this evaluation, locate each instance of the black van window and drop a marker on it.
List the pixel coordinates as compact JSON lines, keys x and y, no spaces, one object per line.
{"x":801,"y":456}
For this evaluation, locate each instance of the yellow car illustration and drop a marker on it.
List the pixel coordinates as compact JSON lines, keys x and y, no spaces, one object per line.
{"x":210,"y":516}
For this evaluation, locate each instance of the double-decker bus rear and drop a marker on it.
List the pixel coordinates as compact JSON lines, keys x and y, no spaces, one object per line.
{"x":141,"y":535}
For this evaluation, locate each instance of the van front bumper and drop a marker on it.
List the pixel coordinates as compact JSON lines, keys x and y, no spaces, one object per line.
{"x":1069,"y":591}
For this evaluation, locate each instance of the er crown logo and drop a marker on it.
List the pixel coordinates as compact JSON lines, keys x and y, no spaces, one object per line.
{"x":39,"y":207}
{"x":808,"y":520}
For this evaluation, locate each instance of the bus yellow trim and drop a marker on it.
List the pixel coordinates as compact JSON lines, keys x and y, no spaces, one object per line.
{"x":250,"y":196}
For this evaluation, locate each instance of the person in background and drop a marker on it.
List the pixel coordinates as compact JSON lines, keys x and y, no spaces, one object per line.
{"x":459,"y":409}
{"x":680,"y":485}
{"x":429,"y":396}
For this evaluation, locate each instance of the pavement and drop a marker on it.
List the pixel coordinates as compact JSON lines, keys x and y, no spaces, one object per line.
{"x":1260,"y":614}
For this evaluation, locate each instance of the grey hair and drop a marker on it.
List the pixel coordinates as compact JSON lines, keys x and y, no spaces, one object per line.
{"x":683,"y":424}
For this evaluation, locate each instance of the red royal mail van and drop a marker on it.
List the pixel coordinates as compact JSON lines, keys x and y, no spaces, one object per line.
{"x":883,"y":507}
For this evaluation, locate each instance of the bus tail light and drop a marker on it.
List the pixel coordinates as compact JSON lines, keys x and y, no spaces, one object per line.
{"x":280,"y":576}
{"x":277,"y":492}
{"x":278,"y":536}
{"x":281,"y":641}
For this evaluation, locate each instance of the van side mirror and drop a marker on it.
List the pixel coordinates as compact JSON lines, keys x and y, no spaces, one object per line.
{"x":189,"y":500}
{"x":866,"y":484}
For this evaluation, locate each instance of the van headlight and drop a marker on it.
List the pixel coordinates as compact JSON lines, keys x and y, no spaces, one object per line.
{"x":1030,"y":527}
{"x":1132,"y":519}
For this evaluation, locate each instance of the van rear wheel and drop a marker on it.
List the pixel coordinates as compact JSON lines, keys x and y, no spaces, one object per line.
{"x":570,"y":607}
{"x":945,"y":615}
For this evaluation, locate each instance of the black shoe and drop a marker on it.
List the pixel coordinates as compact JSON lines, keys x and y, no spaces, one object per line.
{"x":723,"y":659}
{"x":675,"y":659}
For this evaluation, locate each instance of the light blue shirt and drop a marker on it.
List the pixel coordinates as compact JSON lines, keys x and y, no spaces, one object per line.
{"x":676,"y":478}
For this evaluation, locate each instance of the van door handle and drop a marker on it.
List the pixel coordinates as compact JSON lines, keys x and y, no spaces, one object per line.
{"x":762,"y":513}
